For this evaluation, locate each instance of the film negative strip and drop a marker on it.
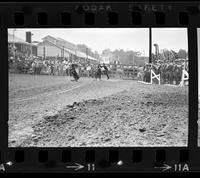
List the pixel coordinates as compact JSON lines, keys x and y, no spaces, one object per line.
{"x":99,"y":87}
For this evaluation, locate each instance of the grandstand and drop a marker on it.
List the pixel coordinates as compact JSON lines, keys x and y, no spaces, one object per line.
{"x":57,"y":47}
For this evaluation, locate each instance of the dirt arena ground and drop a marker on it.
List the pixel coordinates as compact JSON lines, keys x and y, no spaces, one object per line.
{"x":53,"y":111}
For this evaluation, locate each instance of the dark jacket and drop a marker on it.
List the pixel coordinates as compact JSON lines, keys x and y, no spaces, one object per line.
{"x":105,"y":68}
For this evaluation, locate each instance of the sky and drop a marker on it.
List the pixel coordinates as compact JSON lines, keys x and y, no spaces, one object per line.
{"x":170,"y":38}
{"x":98,"y":39}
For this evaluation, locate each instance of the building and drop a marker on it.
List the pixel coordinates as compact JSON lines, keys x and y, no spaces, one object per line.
{"x":140,"y":60}
{"x":58,"y":47}
{"x":20,"y":47}
{"x":107,"y":57}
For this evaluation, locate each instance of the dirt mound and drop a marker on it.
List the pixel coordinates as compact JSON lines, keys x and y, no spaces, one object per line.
{"x":117,"y":120}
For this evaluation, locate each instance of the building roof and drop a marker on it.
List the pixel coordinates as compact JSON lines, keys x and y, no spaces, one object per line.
{"x":69,"y":47}
{"x":14,"y":39}
{"x":67,"y":43}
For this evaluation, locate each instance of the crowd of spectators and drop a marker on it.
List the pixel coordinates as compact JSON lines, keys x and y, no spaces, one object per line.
{"x":170,"y":72}
{"x":52,"y":66}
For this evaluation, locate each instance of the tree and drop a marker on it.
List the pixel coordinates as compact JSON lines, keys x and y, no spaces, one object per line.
{"x":106,"y":51}
{"x":85,"y":49}
{"x":124,"y":57}
{"x":182,"y":54}
{"x":175,"y":54}
{"x":120,"y":55}
{"x":166,"y":54}
{"x":96,"y":55}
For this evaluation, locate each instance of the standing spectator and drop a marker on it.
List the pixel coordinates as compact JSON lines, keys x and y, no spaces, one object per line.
{"x":52,"y":69}
{"x":105,"y":70}
{"x":64,"y":69}
{"x":88,"y":70}
{"x":140,"y":74}
{"x":33,"y":67}
{"x":98,"y":73}
{"x":68,"y":69}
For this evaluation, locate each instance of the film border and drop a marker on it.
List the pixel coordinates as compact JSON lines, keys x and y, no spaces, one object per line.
{"x":172,"y":14}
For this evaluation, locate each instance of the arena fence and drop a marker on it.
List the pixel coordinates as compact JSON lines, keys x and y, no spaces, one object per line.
{"x":123,"y":73}
{"x":153,"y":76}
{"x":185,"y":78}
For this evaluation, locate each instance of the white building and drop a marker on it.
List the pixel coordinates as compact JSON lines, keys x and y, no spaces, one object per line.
{"x":107,"y":57}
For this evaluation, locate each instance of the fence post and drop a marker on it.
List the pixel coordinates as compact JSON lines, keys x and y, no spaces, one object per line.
{"x":184,"y":72}
{"x":155,"y":76}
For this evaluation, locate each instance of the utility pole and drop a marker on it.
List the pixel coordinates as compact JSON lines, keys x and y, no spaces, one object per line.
{"x":150,"y":45}
{"x":76,"y":55}
{"x":63,"y":52}
{"x":31,"y":47}
{"x":44,"y":52}
{"x":14,"y":42}
{"x":87,"y":54}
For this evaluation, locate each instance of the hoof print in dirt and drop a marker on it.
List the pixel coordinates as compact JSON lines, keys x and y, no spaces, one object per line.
{"x":148,"y":103}
{"x":71,"y":138}
{"x":83,"y":144}
{"x":161,"y":135}
{"x":117,"y":136}
{"x":107,"y":139}
{"x":33,"y":136}
{"x":13,"y":141}
{"x":70,"y":106}
{"x":142,"y":130}
{"x":71,"y":118}
{"x":75,"y":104}
{"x":51,"y":118}
{"x":118,"y":108}
{"x":35,"y":139}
